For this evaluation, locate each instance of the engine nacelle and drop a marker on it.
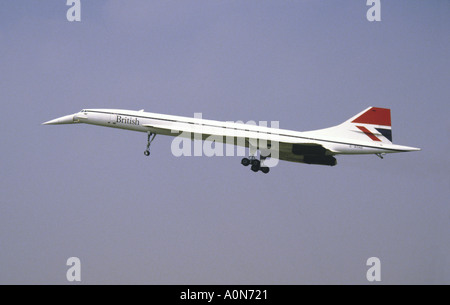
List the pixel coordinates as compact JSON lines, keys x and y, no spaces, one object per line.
{"x":322,"y":160}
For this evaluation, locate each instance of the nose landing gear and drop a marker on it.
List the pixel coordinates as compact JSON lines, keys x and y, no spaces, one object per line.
{"x":151,"y":136}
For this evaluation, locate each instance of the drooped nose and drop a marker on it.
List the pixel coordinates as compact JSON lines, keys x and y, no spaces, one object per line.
{"x":68,"y":119}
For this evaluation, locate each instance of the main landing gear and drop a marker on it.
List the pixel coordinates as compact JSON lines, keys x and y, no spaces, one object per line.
{"x":149,"y":141}
{"x":256,"y":165}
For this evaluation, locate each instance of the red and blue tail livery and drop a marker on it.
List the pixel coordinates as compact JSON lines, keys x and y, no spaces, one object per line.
{"x":380,"y":121}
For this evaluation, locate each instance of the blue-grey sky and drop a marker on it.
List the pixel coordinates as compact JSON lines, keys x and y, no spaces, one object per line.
{"x":89,"y":192}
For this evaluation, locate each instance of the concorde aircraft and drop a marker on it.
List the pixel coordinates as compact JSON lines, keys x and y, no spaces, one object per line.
{"x":368,"y":132}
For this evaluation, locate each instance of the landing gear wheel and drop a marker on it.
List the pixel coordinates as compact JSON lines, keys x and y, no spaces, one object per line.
{"x":245,"y":162}
{"x":265,"y":169}
{"x":147,"y":153}
{"x":256,"y":163}
{"x":255,"y":168}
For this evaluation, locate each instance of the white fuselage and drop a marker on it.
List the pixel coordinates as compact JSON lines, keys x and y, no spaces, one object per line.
{"x":177,"y":125}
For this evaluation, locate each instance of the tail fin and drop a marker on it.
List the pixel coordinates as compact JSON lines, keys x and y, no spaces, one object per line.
{"x":372,"y":124}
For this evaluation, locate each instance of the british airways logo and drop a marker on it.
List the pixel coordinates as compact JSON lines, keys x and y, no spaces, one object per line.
{"x":127,"y":120}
